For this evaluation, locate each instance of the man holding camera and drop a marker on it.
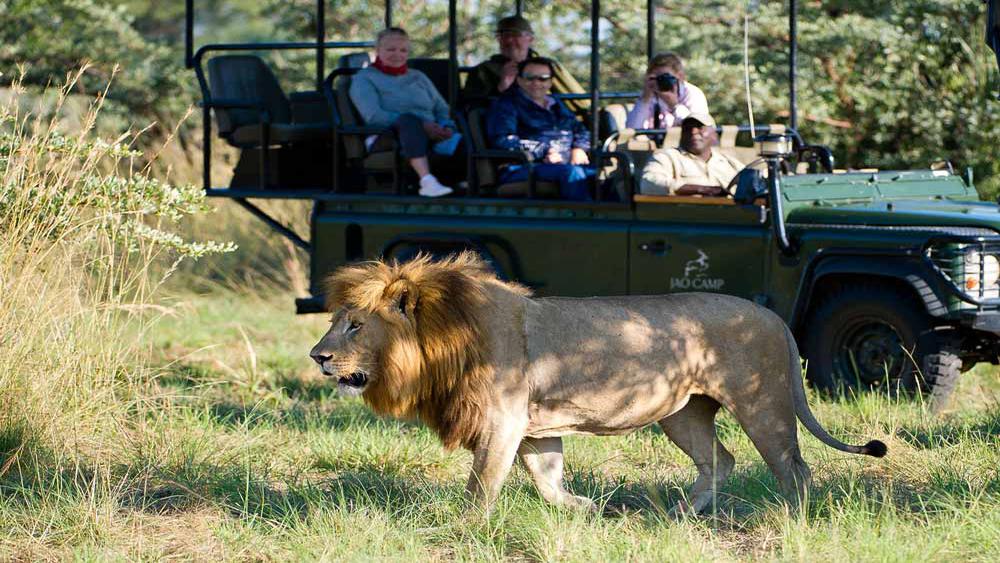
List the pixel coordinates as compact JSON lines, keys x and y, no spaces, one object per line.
{"x":692,"y":169}
{"x":667,"y":98}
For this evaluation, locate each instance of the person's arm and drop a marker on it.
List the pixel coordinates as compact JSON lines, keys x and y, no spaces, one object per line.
{"x":480,"y":84}
{"x":659,"y":176}
{"x":501,"y":126}
{"x":581,"y":134}
{"x":442,"y":113}
{"x":366,"y":98}
{"x":640,"y":115}
{"x":693,"y":101}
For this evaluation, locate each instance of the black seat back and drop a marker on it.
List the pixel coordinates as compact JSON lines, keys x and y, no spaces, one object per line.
{"x":361,"y":59}
{"x":246,"y":79}
{"x":354,"y":145}
{"x":486,"y":169}
{"x":435,"y":69}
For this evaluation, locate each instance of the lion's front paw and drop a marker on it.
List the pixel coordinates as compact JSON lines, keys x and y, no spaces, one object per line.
{"x":580,"y":503}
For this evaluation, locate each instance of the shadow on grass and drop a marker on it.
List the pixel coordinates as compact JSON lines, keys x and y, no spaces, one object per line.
{"x":981,"y":428}
{"x":246,"y":496}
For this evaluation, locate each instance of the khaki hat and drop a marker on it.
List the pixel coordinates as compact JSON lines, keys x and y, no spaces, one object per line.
{"x":700,"y":118}
{"x":514,"y":23}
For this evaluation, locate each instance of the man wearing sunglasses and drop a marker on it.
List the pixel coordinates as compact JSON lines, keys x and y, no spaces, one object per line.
{"x":496,"y":75}
{"x":528,"y":118}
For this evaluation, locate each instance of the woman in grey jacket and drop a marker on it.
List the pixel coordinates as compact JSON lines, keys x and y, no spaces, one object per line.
{"x":388,"y":94}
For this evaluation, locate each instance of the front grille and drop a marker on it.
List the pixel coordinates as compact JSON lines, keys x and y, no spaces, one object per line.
{"x":972,"y":266}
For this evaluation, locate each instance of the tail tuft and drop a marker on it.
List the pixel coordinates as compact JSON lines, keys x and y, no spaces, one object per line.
{"x":876,"y":448}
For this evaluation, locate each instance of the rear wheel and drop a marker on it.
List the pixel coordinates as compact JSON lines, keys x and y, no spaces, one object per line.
{"x":878,"y":337}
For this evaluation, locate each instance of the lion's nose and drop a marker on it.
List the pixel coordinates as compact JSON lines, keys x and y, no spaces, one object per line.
{"x":320,"y":358}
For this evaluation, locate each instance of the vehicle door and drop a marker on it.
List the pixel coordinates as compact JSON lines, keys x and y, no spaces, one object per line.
{"x":698,"y":244}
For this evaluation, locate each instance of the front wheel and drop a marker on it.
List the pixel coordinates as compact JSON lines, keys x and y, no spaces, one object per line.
{"x":878,"y":337}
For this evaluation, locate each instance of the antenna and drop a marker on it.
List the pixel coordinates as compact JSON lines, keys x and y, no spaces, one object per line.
{"x":751,"y":6}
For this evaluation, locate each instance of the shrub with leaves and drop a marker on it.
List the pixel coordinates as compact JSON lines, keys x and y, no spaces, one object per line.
{"x":86,"y":236}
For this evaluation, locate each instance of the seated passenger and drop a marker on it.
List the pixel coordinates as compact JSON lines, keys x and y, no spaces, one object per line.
{"x":387,"y":94}
{"x":496,"y":75}
{"x":527,"y":118}
{"x":667,"y":98}
{"x":694,"y":168}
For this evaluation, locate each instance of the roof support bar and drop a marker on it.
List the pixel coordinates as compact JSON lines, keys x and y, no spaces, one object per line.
{"x":650,"y":29}
{"x":320,"y":40}
{"x":274,"y":224}
{"x":188,"y":33}
{"x":452,"y":53}
{"x":388,"y":13}
{"x":793,"y":59}
{"x":595,"y":69}
{"x":519,"y":7}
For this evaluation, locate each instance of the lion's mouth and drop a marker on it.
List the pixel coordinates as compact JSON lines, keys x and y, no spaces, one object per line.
{"x":356,"y":380}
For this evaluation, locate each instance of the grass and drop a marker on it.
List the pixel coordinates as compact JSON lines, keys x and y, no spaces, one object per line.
{"x":244,"y":452}
{"x":142,"y":425}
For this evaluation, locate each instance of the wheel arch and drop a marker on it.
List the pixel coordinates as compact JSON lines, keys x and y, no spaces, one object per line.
{"x":827,"y":273}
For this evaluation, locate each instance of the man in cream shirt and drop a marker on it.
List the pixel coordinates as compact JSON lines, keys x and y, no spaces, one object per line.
{"x":694,"y":168}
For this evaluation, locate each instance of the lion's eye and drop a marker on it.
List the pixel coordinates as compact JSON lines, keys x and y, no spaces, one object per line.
{"x":355,"y":325}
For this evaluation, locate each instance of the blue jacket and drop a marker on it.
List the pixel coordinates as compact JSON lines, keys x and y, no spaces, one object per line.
{"x":515,"y":122}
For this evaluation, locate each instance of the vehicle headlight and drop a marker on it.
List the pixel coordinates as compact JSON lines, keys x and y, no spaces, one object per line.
{"x":981,"y":272}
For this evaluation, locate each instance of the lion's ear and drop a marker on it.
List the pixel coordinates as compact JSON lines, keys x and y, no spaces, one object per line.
{"x":401,"y":302}
{"x":402,"y":299}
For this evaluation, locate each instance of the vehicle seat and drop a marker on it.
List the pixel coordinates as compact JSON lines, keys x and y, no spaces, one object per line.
{"x":245,"y":80}
{"x":486,"y":170}
{"x":348,"y":118}
{"x":361,"y":59}
{"x":435,"y":69}
{"x":744,"y":153}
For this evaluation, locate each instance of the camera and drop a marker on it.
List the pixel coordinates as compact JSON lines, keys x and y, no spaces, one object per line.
{"x":666,"y":82}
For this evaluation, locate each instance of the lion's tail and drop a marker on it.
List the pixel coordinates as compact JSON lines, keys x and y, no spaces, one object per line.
{"x":873,"y":448}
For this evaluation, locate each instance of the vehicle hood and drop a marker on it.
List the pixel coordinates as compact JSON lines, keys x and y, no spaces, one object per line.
{"x":935,"y":212}
{"x":889,"y":198}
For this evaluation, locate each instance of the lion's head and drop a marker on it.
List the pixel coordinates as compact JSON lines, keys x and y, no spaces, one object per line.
{"x":407,"y":338}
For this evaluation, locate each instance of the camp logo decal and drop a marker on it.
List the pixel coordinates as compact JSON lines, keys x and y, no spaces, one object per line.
{"x":696,"y":275}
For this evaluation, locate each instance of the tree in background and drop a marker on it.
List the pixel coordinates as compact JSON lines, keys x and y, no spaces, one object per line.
{"x":885,"y":83}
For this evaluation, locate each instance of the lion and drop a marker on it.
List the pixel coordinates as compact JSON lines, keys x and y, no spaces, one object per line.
{"x":490,"y":368}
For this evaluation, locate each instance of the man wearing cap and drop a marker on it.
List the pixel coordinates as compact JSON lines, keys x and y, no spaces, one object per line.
{"x":494,"y":76}
{"x":694,"y":168}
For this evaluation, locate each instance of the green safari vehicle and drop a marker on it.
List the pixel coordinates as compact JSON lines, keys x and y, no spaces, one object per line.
{"x":890,"y":280}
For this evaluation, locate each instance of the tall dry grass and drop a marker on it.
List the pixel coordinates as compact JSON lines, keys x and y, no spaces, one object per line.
{"x":84,"y":231}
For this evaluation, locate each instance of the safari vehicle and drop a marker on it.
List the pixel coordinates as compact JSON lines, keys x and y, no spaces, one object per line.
{"x":889,"y":279}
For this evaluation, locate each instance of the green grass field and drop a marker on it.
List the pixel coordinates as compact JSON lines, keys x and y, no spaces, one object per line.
{"x":240,"y":450}
{"x":153,"y":410}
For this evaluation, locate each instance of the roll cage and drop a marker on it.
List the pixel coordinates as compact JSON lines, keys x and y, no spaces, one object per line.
{"x":325,"y":189}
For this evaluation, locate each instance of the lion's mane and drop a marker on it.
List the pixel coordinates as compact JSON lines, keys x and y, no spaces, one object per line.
{"x":436,"y":361}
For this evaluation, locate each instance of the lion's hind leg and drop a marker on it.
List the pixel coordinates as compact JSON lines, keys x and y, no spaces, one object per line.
{"x":543,"y":458}
{"x":776,"y":439}
{"x":693,"y":430}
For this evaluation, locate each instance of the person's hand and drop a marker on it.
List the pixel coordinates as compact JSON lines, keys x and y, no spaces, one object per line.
{"x":578,"y":156}
{"x":436,"y":132}
{"x":649,"y":88}
{"x":670,"y":97}
{"x":507,"y":75}
{"x":553,"y":156}
{"x":708,"y":191}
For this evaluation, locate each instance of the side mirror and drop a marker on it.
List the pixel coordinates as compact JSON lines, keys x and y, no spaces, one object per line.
{"x":750,"y":185}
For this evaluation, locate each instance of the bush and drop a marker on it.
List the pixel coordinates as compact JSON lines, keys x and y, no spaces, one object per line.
{"x":83,"y":230}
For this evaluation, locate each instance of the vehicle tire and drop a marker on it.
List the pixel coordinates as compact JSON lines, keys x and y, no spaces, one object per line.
{"x":941,"y":371}
{"x":873,"y":337}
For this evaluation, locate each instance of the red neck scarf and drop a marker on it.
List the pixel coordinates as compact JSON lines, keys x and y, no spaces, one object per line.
{"x":390,"y":70}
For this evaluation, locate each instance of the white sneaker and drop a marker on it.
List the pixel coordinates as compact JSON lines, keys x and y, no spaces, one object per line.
{"x":430,"y":187}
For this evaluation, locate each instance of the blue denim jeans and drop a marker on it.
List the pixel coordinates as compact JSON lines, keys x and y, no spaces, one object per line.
{"x":574,"y":181}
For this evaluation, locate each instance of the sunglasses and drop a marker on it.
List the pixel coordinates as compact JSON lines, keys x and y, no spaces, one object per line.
{"x":512,"y":34}
{"x":537,"y":77}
